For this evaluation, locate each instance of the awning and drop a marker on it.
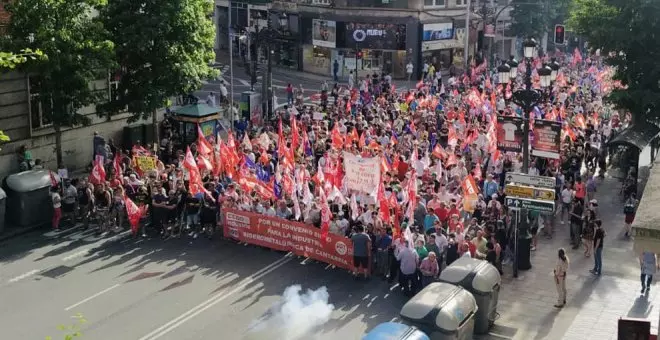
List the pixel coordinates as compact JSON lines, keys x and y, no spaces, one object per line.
{"x":646,"y":226}
{"x":638,"y":136}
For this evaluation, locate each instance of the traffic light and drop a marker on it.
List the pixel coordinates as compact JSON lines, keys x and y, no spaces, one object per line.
{"x":359,"y":54}
{"x":560,"y":35}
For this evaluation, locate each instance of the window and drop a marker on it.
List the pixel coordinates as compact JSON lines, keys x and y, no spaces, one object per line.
{"x":462,"y":2}
{"x":321,"y":2}
{"x":113,"y":86}
{"x":434,"y":3}
{"x":41,"y":108}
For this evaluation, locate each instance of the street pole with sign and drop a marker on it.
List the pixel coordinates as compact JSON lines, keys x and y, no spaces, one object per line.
{"x":527,"y":99}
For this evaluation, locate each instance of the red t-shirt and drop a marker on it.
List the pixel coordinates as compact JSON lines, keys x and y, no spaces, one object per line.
{"x":442,"y":213}
{"x":472,"y":247}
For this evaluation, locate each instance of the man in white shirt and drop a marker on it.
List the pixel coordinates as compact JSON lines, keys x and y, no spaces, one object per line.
{"x":210,"y":100}
{"x":409,"y":261}
{"x":566,"y":198}
{"x":223,"y":92}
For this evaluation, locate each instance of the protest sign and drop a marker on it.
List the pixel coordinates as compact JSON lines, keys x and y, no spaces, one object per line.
{"x":509,"y":133}
{"x":284,"y":235}
{"x":547,"y":139}
{"x":362,"y":174}
{"x":145,"y":163}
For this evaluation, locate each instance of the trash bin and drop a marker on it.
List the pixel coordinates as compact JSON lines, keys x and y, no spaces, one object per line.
{"x":3,"y":201}
{"x":395,"y":331}
{"x":29,"y":202}
{"x":482,"y":280}
{"x":443,"y":311}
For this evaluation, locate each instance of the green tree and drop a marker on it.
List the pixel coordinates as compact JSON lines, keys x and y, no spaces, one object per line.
{"x":628,"y":35}
{"x":533,"y":18}
{"x":163,"y":48}
{"x":9,"y":60}
{"x":78,"y":51}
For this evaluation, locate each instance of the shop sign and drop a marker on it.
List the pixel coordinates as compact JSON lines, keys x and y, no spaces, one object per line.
{"x":546,"y":139}
{"x":439,"y":31}
{"x":376,"y":36}
{"x":324,"y":33}
{"x":509,"y":133}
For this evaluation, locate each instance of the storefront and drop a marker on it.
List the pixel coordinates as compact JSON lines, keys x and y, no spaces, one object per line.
{"x":318,"y":56}
{"x":383,"y":48}
{"x":440,"y":45}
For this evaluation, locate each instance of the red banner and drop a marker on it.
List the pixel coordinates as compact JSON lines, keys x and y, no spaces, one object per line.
{"x":284,"y":235}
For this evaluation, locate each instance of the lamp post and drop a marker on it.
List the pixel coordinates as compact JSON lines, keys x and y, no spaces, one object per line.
{"x":513,"y":64}
{"x":504,"y":73}
{"x":527,"y":98}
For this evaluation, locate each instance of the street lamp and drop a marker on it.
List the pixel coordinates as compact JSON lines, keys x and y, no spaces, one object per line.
{"x":554,"y":66}
{"x":503,"y":73}
{"x":545,"y":73}
{"x":513,"y":64}
{"x":529,"y":48}
{"x":527,"y":99}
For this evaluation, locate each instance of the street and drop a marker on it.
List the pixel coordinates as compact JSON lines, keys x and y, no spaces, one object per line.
{"x":147,"y":289}
{"x":281,"y":78}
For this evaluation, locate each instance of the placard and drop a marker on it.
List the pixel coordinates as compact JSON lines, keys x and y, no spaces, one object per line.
{"x":439,"y":31}
{"x":324,"y":33}
{"x":546,"y":141}
{"x":284,"y":235}
{"x":510,"y":133}
{"x":145,"y":163}
{"x":362,"y":174}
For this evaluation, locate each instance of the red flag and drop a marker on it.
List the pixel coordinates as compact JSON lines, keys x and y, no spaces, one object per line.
{"x":203,"y":145}
{"x":53,"y":180}
{"x":116,"y":165}
{"x":134,"y":213}
{"x":98,"y":174}
{"x":326,"y":215}
{"x":295,"y":135}
{"x":439,"y":152}
{"x":337,"y":139}
{"x":383,"y":204}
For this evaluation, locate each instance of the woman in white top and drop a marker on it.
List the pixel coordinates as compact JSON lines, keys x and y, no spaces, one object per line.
{"x":648,"y":265}
{"x":560,"y":277}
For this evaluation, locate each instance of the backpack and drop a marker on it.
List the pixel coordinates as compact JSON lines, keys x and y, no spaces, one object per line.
{"x":628,"y":209}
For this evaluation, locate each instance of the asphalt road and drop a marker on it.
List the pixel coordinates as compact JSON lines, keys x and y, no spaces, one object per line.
{"x":281,"y":78}
{"x":176,"y":289}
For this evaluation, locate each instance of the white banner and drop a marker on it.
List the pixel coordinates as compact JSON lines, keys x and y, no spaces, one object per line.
{"x":362,"y":174}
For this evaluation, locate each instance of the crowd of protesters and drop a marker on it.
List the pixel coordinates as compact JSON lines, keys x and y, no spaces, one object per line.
{"x":429,"y":139}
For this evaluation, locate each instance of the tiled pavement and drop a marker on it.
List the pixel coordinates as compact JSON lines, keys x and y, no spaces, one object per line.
{"x":594,"y":304}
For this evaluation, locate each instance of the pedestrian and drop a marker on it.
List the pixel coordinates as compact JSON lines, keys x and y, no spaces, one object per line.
{"x":57,"y":206}
{"x":361,"y":243}
{"x":429,"y":269}
{"x":599,"y":237}
{"x":576,"y":222}
{"x":561,"y":268}
{"x":629,"y":209}
{"x":382,"y":258}
{"x":335,"y":70}
{"x":648,"y":262}
{"x":566,"y":199}
{"x":409,"y":260}
{"x":289,"y":94}
{"x":588,"y":233}
{"x":409,"y":70}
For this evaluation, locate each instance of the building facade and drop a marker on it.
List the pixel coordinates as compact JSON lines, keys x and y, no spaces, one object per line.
{"x":24,"y":118}
{"x":387,"y":34}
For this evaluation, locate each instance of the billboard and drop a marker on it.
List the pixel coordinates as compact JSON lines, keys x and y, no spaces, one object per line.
{"x":376,"y":36}
{"x":324,"y":33}
{"x":510,"y":133}
{"x":546,"y":139}
{"x":440,"y":31}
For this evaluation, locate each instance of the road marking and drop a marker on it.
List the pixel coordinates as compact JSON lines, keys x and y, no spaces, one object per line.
{"x":76,"y":255}
{"x":24,"y":276}
{"x":193,"y":312}
{"x":91,"y":297}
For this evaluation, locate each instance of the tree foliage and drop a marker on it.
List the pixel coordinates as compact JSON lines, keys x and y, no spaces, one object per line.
{"x":628,"y":34}
{"x":532,"y":18}
{"x":163,"y":49}
{"x":9,"y":60}
{"x":79,"y":52}
{"x":3,"y":138}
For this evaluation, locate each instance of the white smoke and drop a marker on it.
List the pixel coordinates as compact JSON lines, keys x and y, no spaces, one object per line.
{"x":295,"y":316}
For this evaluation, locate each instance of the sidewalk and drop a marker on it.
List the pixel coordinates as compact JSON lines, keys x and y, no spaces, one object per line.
{"x":594,"y":304}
